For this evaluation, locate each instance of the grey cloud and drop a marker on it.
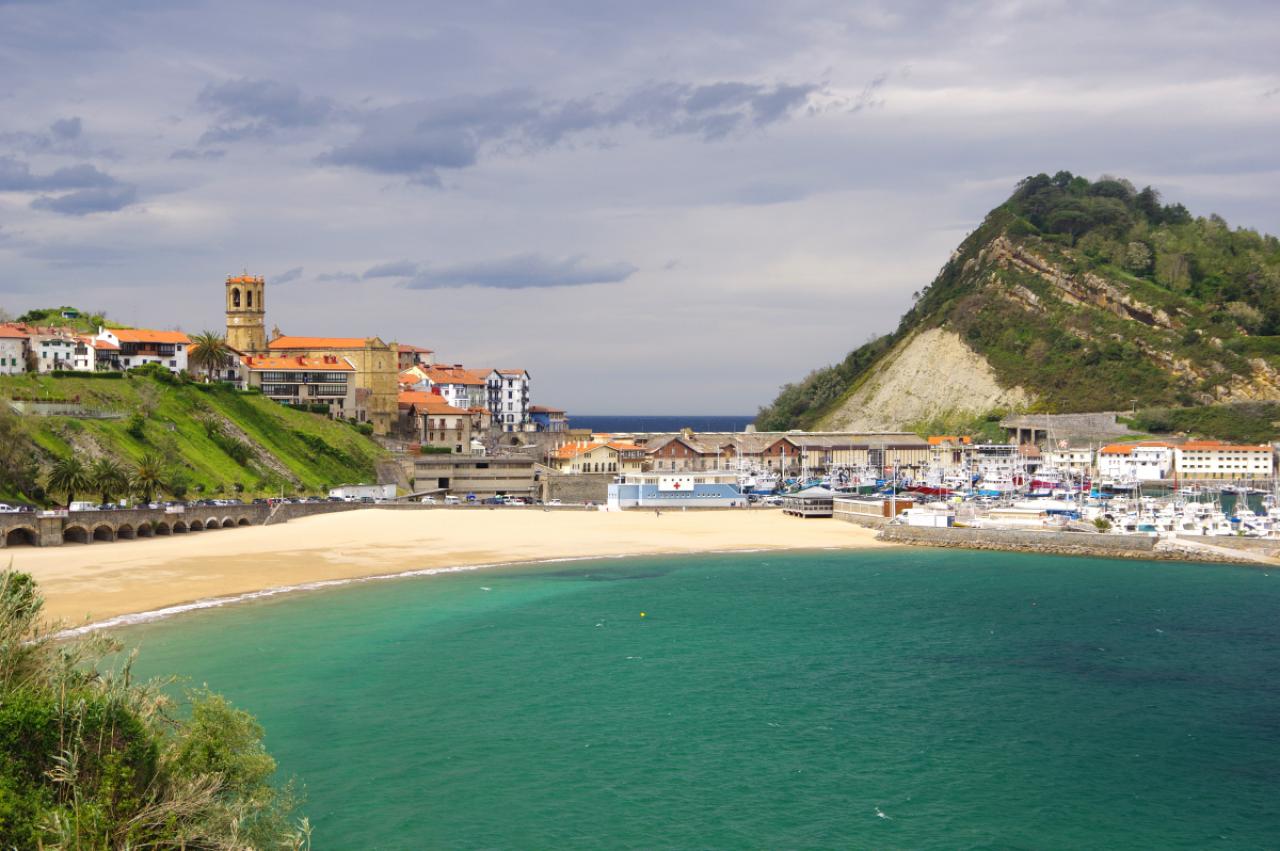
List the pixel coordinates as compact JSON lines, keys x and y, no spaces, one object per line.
{"x":193,"y":154}
{"x":524,"y":271}
{"x":16,"y":176}
{"x":247,"y":109}
{"x":287,"y":276}
{"x":394,"y":269}
{"x":344,"y":277}
{"x":418,"y":139}
{"x":66,"y":128}
{"x":64,"y":136}
{"x":106,"y":199}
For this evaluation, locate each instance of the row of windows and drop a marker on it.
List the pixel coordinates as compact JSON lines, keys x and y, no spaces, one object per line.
{"x":303,"y":377}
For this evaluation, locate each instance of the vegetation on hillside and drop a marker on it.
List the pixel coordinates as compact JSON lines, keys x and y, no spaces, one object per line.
{"x":170,"y":436}
{"x":84,"y":321}
{"x":1245,"y":422}
{"x":1207,"y":296}
{"x":94,"y":760}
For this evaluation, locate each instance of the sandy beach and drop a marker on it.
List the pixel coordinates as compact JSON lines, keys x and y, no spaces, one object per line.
{"x":99,"y":581}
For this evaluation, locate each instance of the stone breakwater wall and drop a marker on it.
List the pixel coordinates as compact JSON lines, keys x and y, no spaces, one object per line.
{"x":1055,"y":543}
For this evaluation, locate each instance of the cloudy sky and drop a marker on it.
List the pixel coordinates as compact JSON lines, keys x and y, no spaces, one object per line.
{"x":659,"y":207}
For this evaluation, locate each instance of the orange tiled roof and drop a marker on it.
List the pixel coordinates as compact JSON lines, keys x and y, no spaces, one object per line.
{"x":433,"y":403}
{"x":285,"y":342}
{"x":405,"y":347}
{"x":542,"y":409}
{"x":14,"y":332}
{"x":146,"y":335}
{"x":1127,"y":448}
{"x":1213,"y":444}
{"x":936,"y":439}
{"x":283,"y":362}
{"x":92,"y":342}
{"x":452,"y":375}
{"x":573,"y":450}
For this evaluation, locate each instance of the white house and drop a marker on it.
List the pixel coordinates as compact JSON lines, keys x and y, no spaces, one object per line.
{"x":508,"y":392}
{"x":1147,"y":461}
{"x":460,"y":387}
{"x":139,"y":346}
{"x":1208,"y":459}
{"x":1073,"y":459}
{"x":14,"y":345}
{"x":92,"y":354}
{"x":54,"y":348}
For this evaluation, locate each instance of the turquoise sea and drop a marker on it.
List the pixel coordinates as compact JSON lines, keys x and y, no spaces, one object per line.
{"x":911,"y":699}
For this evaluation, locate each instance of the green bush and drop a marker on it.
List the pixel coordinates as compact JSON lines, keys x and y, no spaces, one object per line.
{"x":96,"y":760}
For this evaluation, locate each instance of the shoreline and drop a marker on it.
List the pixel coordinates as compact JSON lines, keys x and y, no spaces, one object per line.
{"x":89,"y":587}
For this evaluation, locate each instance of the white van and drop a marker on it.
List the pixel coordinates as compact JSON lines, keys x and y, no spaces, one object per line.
{"x":451,"y":500}
{"x":82,"y":506}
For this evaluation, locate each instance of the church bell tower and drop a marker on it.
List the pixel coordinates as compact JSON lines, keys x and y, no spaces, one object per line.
{"x":246,"y":314}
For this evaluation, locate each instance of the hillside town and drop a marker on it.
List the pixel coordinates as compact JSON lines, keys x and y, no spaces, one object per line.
{"x":396,"y":388}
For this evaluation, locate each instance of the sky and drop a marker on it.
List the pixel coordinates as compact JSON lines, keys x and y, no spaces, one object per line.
{"x":659,"y":207}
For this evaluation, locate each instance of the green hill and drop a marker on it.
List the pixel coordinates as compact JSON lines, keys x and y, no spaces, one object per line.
{"x":211,"y":439}
{"x":1074,"y":295}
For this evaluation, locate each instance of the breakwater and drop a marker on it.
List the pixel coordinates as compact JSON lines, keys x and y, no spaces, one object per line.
{"x":1079,"y":544}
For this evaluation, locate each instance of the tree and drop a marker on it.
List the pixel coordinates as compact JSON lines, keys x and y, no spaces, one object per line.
{"x":109,"y":478}
{"x":149,"y":477}
{"x":69,"y":477}
{"x":209,"y":350}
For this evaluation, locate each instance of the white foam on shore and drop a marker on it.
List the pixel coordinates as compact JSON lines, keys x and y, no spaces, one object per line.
{"x":320,"y":584}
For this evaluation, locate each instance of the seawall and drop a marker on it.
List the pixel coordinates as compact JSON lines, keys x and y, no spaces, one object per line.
{"x":1079,"y":544}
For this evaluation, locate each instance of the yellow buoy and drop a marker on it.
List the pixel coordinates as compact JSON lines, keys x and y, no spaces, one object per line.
{"x":642,"y":614}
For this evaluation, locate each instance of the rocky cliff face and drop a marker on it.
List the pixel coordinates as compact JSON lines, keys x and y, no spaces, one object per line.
{"x":930,"y":373}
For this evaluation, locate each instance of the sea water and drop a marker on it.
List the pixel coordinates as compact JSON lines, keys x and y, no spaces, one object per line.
{"x":891,"y":698}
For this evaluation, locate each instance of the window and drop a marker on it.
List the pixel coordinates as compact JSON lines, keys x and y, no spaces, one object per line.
{"x":235,"y":298}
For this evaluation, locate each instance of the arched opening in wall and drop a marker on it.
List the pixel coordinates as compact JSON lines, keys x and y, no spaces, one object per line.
{"x":145,"y":530}
{"x":161,"y":529}
{"x":179,"y":528}
{"x":235,"y":297}
{"x":104,"y":533}
{"x":196,"y":526}
{"x":212,"y":523}
{"x":244,"y":521}
{"x":22,"y":536}
{"x":75,"y":535}
{"x":228,"y":523}
{"x":126,"y":533}
{"x":249,"y":297}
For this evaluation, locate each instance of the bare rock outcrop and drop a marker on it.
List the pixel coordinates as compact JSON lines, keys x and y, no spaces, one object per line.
{"x":928,"y":374}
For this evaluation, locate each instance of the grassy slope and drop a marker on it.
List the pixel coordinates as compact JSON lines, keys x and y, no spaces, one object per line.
{"x":315,"y":451}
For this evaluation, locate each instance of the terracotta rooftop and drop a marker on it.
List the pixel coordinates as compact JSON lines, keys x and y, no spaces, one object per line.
{"x":328,"y":363}
{"x":1213,"y":444}
{"x":146,"y":335}
{"x":286,"y":342}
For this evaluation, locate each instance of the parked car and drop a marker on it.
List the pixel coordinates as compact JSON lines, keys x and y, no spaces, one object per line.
{"x":554,"y":502}
{"x":6,"y":508}
{"x":428,"y":500}
{"x":452,"y":500}
{"x":79,"y":505}
{"x":515,"y":500}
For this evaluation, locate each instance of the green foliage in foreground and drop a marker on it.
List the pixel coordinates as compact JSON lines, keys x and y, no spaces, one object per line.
{"x":207,"y":439}
{"x":1245,"y":422}
{"x":90,"y":759}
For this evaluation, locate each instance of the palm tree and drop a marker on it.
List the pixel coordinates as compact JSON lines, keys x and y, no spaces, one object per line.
{"x":209,"y":350}
{"x":69,"y":476}
{"x":149,"y":477}
{"x":109,"y":478}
